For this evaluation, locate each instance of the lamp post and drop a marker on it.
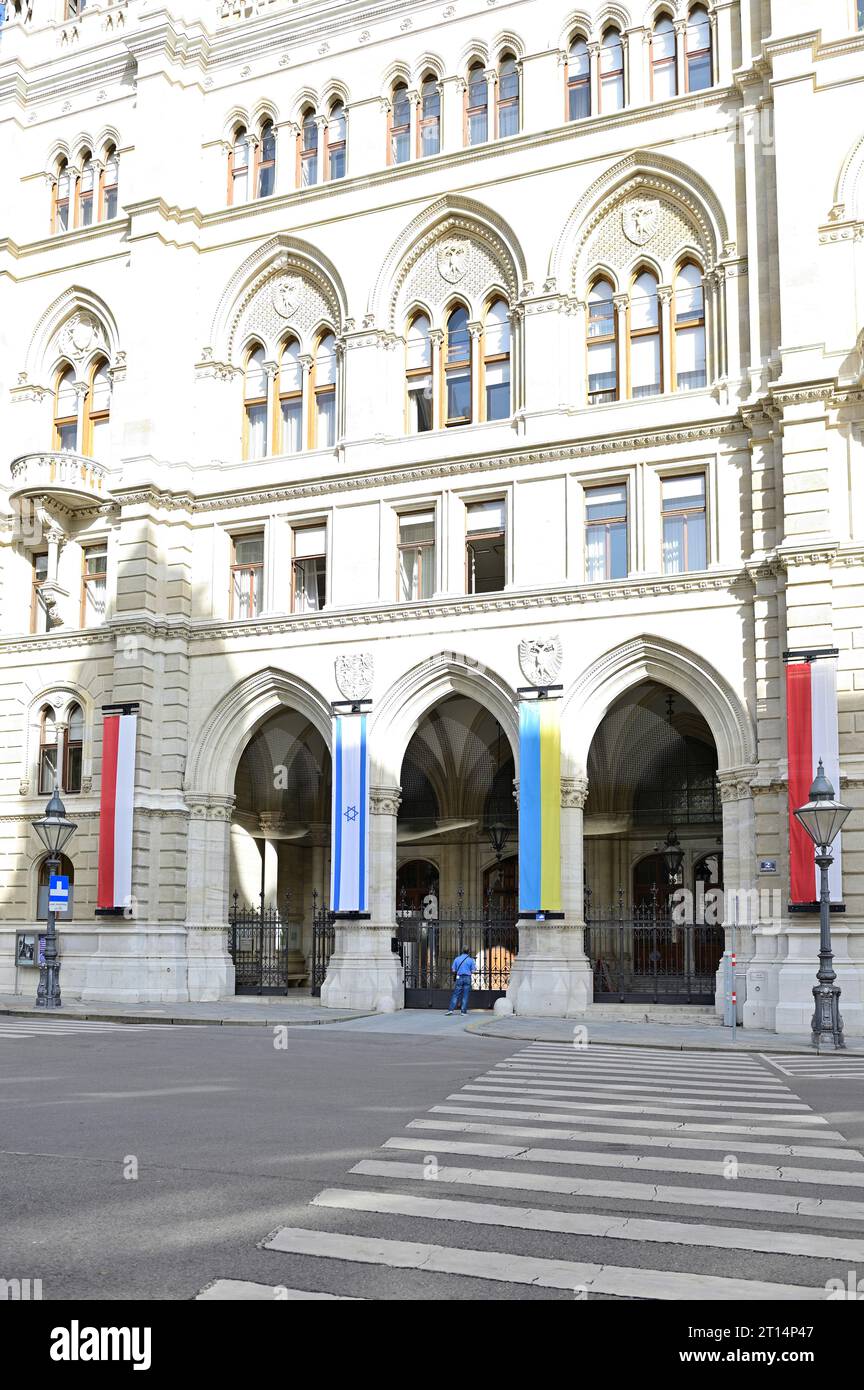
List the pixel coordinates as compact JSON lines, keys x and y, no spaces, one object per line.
{"x":54,"y":830}
{"x":499,"y":834}
{"x":822,"y":818}
{"x":673,"y":854}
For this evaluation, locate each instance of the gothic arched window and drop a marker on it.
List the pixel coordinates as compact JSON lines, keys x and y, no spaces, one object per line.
{"x":611,"y":72}
{"x":308,"y":149}
{"x":430,"y":115}
{"x":457,"y":368}
{"x":418,"y":375}
{"x":73,"y":749}
{"x":646,"y":370}
{"x":265,"y":158}
{"x":66,"y":412}
{"x":324,"y":392}
{"x":255,"y":404}
{"x":602,"y":344}
{"x":688,"y":338}
{"x":400,"y":126}
{"x":698,"y":50}
{"x":508,"y":96}
{"x":238,"y":169}
{"x":97,"y":411}
{"x":578,"y":80}
{"x":290,"y":399}
{"x":664,"y":60}
{"x":496,"y":361}
{"x":476,"y":106}
{"x":336,"y":142}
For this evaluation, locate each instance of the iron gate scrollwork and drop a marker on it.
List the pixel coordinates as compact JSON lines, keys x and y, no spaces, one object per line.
{"x":644,"y":955}
{"x":428,"y":947}
{"x":260,"y":943}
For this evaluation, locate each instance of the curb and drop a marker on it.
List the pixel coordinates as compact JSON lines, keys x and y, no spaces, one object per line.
{"x":487,"y":1030}
{"x":185,"y":1022}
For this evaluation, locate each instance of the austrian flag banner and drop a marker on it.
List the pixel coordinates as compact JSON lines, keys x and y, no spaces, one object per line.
{"x":114,"y":881}
{"x":349,"y":873}
{"x":811,"y":734}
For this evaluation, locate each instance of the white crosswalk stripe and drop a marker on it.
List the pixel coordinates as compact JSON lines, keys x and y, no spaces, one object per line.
{"x":826,"y":1067}
{"x":70,"y":1027}
{"x":734,"y":1164}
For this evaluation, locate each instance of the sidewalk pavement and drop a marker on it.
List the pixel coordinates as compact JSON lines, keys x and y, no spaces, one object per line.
{"x":300,"y":1009}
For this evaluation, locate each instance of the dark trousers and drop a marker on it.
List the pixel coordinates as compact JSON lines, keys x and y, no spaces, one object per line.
{"x":461,"y":993}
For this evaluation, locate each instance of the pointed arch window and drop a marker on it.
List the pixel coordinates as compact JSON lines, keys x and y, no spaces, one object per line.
{"x":255,"y":405}
{"x":698,"y":50}
{"x":309,"y":150}
{"x":109,"y":185}
{"x":266,"y":161}
{"x":290,"y":399}
{"x":62,"y":189}
{"x":664,"y":60}
{"x":73,"y":749}
{"x":602,"y":344}
{"x":238,"y":169}
{"x":66,"y":412}
{"x":689,"y":329}
{"x":48,"y":766}
{"x":418,"y":375}
{"x":508,"y":96}
{"x":336,"y":140}
{"x":578,"y":80}
{"x":400,"y":125}
{"x":457,"y":368}
{"x":477,"y":106}
{"x":430,"y":116}
{"x":646,"y":371}
{"x":496,"y":361}
{"x":611,"y":72}
{"x":98,"y":411}
{"x":86,"y":190}
{"x":324,"y":393}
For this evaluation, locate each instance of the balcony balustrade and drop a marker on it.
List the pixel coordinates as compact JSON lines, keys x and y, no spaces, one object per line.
{"x":71,"y":479}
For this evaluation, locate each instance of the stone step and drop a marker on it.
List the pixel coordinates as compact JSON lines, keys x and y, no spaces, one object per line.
{"x":675,"y":1015}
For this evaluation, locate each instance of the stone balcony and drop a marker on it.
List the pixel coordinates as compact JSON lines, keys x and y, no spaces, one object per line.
{"x":70,"y":479}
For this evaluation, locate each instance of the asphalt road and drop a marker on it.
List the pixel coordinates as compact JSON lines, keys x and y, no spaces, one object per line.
{"x":148,"y":1163}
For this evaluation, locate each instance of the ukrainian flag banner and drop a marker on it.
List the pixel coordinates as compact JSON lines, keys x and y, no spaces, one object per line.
{"x":539,"y":807}
{"x":349,"y":873}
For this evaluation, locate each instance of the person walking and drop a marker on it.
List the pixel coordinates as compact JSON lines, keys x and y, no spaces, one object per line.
{"x":463,"y":968}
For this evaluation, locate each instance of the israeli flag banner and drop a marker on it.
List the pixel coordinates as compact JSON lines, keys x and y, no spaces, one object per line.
{"x":349,"y":875}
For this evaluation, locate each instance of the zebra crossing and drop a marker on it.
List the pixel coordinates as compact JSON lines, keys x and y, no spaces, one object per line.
{"x":22,"y":1028}
{"x":825,"y":1067}
{"x":606,"y":1172}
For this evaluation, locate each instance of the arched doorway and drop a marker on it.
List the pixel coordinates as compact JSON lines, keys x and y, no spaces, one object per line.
{"x":501,"y":888}
{"x":279,"y":855}
{"x":416,"y":880}
{"x":653,"y":815}
{"x":456,"y":782}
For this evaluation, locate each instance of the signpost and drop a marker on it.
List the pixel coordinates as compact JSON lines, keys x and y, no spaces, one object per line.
{"x":58,"y":893}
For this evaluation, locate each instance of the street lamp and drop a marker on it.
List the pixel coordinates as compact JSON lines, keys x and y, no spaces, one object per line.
{"x":673,"y":854}
{"x":822,"y":818}
{"x":499,"y":834}
{"x":54,"y":830}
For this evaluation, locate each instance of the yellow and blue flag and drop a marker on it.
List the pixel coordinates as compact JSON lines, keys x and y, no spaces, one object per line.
{"x":539,"y":806}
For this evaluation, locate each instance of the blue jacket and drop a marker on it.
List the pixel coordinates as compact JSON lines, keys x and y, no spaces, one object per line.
{"x":463,"y":966}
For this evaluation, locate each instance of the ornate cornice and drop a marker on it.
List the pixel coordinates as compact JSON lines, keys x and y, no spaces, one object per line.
{"x":385,"y":801}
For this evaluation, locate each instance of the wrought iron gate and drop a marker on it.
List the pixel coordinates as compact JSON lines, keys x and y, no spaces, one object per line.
{"x":323,"y":942}
{"x":427,"y":948}
{"x":642,"y":955}
{"x":259,"y":942}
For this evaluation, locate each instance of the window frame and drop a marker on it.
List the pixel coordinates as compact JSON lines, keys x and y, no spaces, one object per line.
{"x":307,"y":155}
{"x":333,"y":148}
{"x":476,"y":111}
{"x":394,"y":131}
{"x":64,"y":171}
{"x":419,"y":373}
{"x":255,"y":570}
{"x":418,"y":547}
{"x":61,"y":421}
{"x":508,"y":103}
{"x":261,"y":163}
{"x":472,"y":536}
{"x":451,"y":368}
{"x":278,"y":443}
{"x":679,"y":512}
{"x":85,"y":198}
{"x":316,"y":391}
{"x":68,"y":745}
{"x":604,"y":79}
{"x":87,"y":576}
{"x":44,"y":746}
{"x":106,"y":188}
{"x":427,"y":122}
{"x":573,"y":85}
{"x":320,"y":525}
{"x":487,"y":359}
{"x":607,"y":524}
{"x":240,"y":133}
{"x":94,"y":417}
{"x":36,"y":585}
{"x":690,"y":54}
{"x":600,"y":338}
{"x":653,"y":331}
{"x":254,"y":402}
{"x":688,"y":324}
{"x":657,"y":64}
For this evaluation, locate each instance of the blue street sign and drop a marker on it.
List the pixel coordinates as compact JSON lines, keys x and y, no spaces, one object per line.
{"x":58,"y":893}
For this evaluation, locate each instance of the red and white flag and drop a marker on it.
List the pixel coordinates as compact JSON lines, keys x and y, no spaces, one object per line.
{"x":811,"y":734}
{"x":114,"y":885}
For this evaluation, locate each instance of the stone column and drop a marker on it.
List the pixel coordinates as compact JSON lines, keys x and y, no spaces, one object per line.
{"x":551,"y":975}
{"x":364,"y":972}
{"x":209,"y":970}
{"x":664,"y":299}
{"x":436,"y":346}
{"x":475,"y":330}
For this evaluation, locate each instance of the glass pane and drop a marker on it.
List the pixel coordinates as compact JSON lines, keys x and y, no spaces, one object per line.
{"x":87,"y":178}
{"x":101,"y":395}
{"x":401,"y":107}
{"x":673,"y":545}
{"x":310,"y":133}
{"x":309,"y":540}
{"x":420,"y":405}
{"x":99,"y":443}
{"x":292,"y":425}
{"x":645,"y":366}
{"x":644,"y":309}
{"x":256,"y":416}
{"x":612,"y":93}
{"x":430,"y":138}
{"x":249,"y":550}
{"x":486,"y":516}
{"x":96,"y":559}
{"x":602,"y":370}
{"x":498,"y":391}
{"x":94,"y":602}
{"x":337,"y":163}
{"x":40,"y":566}
{"x":604,"y":502}
{"x":336,"y":125}
{"x":696,"y":548}
{"x":326,"y":413}
{"x":458,"y":341}
{"x":419,"y":350}
{"x":580,"y":101}
{"x":110,"y":202}
{"x":665,"y":82}
{"x":67,"y":439}
{"x":291,"y":370}
{"x":416,"y":527}
{"x":690,"y":362}
{"x":486,"y":566}
{"x":67,"y":400}
{"x":400,"y":146}
{"x":664,"y":39}
{"x":508,"y":80}
{"x":508,"y":119}
{"x":47,"y":769}
{"x":256,"y":376}
{"x":497,"y":330}
{"x":409,"y":574}
{"x":73,"y":771}
{"x":601,"y":311}
{"x":595,"y":553}
{"x":689,"y":297}
{"x":477,"y":128}
{"x":325,"y":362}
{"x":241,"y":152}
{"x":459,"y":395}
{"x":310,"y":170}
{"x":309,"y":585}
{"x":699,"y":72}
{"x":266,"y":180}
{"x":579,"y":59}
{"x":618,"y":552}
{"x":683,"y":492}
{"x":268,"y":144}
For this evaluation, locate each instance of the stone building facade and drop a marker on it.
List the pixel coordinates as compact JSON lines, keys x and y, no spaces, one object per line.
{"x":409,"y":335}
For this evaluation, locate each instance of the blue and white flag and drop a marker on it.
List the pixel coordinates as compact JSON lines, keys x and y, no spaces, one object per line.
{"x":349,"y":876}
